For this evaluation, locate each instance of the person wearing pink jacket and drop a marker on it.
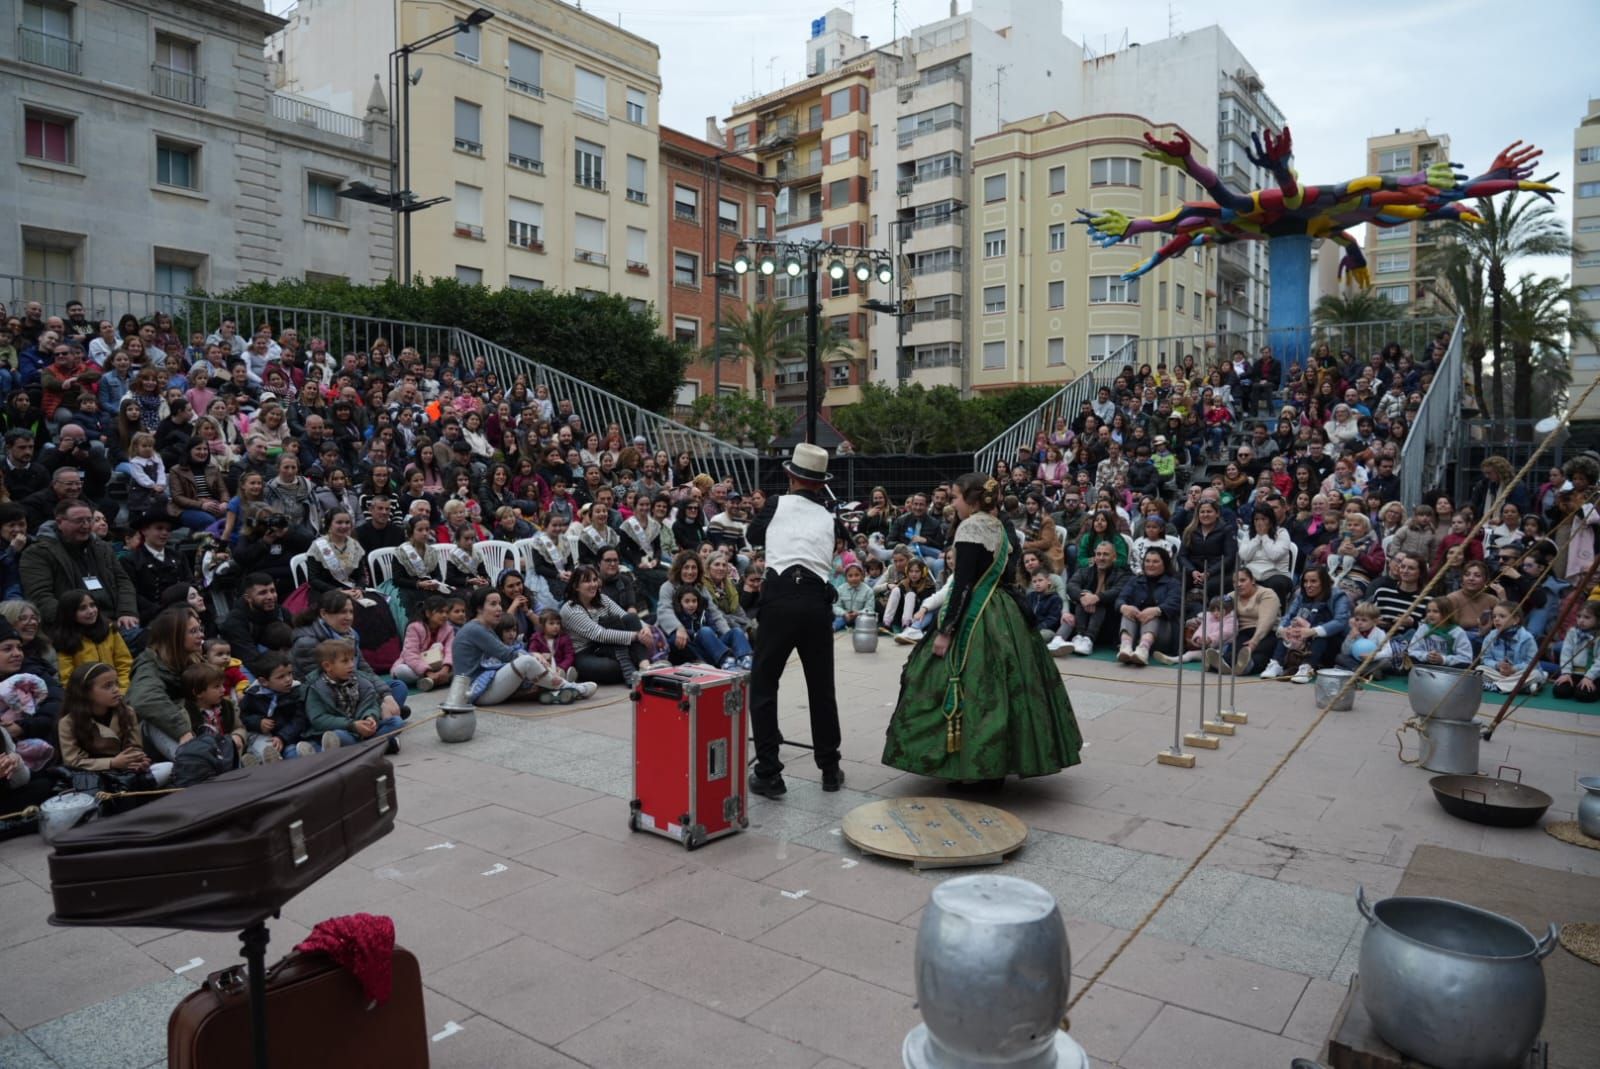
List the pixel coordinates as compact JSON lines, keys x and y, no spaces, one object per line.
{"x":425,"y":654}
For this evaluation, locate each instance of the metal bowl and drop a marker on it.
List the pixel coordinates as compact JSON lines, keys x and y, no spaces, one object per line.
{"x":1500,"y":803}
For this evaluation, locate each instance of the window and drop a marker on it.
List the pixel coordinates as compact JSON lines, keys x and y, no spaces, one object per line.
{"x":638,"y":249}
{"x":839,"y":287}
{"x":1588,"y":189}
{"x":741,"y":137}
{"x":1589,"y":258}
{"x":994,"y":299}
{"x":1181,"y":294}
{"x":45,"y":37}
{"x":1055,"y":352}
{"x":839,"y":147}
{"x":1394,"y":161}
{"x":1392,"y":263}
{"x":686,"y":203}
{"x":686,"y":330}
{"x":728,"y":215}
{"x":526,"y":74}
{"x":589,"y":93}
{"x":910,"y":127}
{"x":589,"y":166}
{"x":839,"y":102}
{"x":637,"y":112}
{"x":1589,"y":154}
{"x":839,"y":375}
{"x":1395,"y":233}
{"x":944,"y":165}
{"x":763,"y":221}
{"x":1102,"y":346}
{"x":994,"y":188}
{"x":1057,"y":292}
{"x":1588,"y":293}
{"x":48,"y":137}
{"x":526,"y":145}
{"x":925,"y":356}
{"x":1058,"y":237}
{"x":523,"y":283}
{"x":1114,"y":171}
{"x":177,"y":165}
{"x":814,"y":117}
{"x":175,"y":277}
{"x":525,"y":223}
{"x":686,"y":269}
{"x":839,"y":193}
{"x":322,"y":197}
{"x":469,"y":276}
{"x":52,"y":258}
{"x":1183,"y":186}
{"x":469,"y":43}
{"x":1394,"y":294}
{"x":1198,"y":302}
{"x":1588,"y":224}
{"x":175,"y":74}
{"x":994,"y":244}
{"x":1161,"y":296}
{"x":469,"y":130}
{"x":994,"y":355}
{"x":927,"y":263}
{"x":1111,"y":289}
{"x":469,"y":211}
{"x":589,"y":239}
{"x":637,"y":180}
{"x":1058,"y":181}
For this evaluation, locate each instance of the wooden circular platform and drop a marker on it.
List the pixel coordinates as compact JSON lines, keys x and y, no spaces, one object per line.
{"x":934,"y":833}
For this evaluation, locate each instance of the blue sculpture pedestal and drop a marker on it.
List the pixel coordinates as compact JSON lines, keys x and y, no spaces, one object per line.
{"x":1289,"y":312}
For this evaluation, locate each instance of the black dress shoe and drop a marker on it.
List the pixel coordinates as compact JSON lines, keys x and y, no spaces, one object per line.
{"x":832,"y":778}
{"x":768,"y":786}
{"x":393,"y":747}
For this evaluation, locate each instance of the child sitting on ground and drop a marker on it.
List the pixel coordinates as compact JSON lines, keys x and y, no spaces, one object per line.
{"x":905,"y":596}
{"x":343,"y":704}
{"x":1440,"y":640}
{"x":1508,"y":650}
{"x":554,"y":646}
{"x":1364,"y":625}
{"x":855,"y":597}
{"x":273,"y":709}
{"x":1578,"y":670}
{"x":205,"y":692}
{"x":98,"y":731}
{"x":20,"y":696}
{"x":1045,"y":604}
{"x":1211,"y":630}
{"x":217,"y":653}
{"x":425,"y":654}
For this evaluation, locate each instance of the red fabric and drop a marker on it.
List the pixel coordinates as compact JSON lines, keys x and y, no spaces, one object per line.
{"x":362,"y":944}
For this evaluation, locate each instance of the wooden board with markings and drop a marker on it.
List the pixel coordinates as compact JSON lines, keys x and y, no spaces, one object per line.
{"x":934,"y":832}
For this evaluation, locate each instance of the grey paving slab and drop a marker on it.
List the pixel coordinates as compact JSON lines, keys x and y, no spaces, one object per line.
{"x":868,"y":948}
{"x":483,"y":1042}
{"x":219,"y":950}
{"x":601,"y":863}
{"x":780,"y":821}
{"x":17,"y":1051}
{"x":68,"y":970}
{"x":125,"y":1032}
{"x":1081,"y":857}
{"x":721,"y":973}
{"x":440,"y":933}
{"x":499,"y":830}
{"x":422,"y":802}
{"x":570,"y":914}
{"x":1182,"y":1039}
{"x":1106,"y":1021}
{"x":667,"y":1032}
{"x":858,"y":1022}
{"x":867,"y":886}
{"x":1214,"y":983}
{"x":25,"y":909}
{"x":1312,"y":1019}
{"x":464,"y":875}
{"x":720,"y":901}
{"x":334,"y":894}
{"x":405,"y":840}
{"x":752,"y":855}
{"x":537,"y":795}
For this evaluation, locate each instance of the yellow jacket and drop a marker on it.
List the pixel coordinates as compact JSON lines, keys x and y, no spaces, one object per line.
{"x":111,"y":649}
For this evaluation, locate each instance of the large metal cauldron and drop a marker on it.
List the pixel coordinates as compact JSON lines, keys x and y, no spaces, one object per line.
{"x":1450,"y":985}
{"x":865,"y":636}
{"x":1444,"y":693}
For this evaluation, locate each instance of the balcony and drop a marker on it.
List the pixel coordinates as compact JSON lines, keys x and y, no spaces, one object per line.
{"x":590,"y":181}
{"x":584,"y":256}
{"x":469,"y":230}
{"x":796,"y":171}
{"x":48,"y":50}
{"x":592,"y":110}
{"x":526,"y":87}
{"x":788,"y":219}
{"x":327,"y":120}
{"x":685,"y":213}
{"x":185,"y":87}
{"x":637,"y":196}
{"x":471,"y":148}
{"x":637,"y":267}
{"x":526,"y":163}
{"x":525,"y":236}
{"x":783,"y":127}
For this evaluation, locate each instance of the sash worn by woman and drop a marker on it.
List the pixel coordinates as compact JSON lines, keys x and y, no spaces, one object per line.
{"x":980,"y":697}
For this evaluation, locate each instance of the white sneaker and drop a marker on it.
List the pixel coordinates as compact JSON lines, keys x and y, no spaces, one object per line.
{"x":1141,"y":654}
{"x":909,"y":636}
{"x":583,"y":690}
{"x":572,"y":674}
{"x":331,"y":741}
{"x":1083,"y":645}
{"x":249,"y":760}
{"x":425,"y":683}
{"x":270,"y":754}
{"x":304,"y":749}
{"x":1272,"y":671}
{"x":1125,"y":652}
{"x":1303,"y":674}
{"x":1057,"y":644}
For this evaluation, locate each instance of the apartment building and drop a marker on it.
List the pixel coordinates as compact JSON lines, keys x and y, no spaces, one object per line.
{"x":540,"y":126}
{"x":715,"y":199}
{"x":1397,"y":255}
{"x":1047,"y":302}
{"x":151,"y":153}
{"x":1586,"y":234}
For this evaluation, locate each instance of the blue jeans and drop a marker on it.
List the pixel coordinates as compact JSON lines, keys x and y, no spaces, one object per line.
{"x":400,"y":691}
{"x":386,"y":726}
{"x":933,"y":558}
{"x":197,"y":519}
{"x":713,"y":648}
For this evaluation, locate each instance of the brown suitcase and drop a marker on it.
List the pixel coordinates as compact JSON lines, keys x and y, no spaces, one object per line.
{"x":228,"y":853}
{"x":317,"y":1015}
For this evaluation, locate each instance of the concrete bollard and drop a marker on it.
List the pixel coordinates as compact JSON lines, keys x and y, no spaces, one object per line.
{"x":993,"y":975}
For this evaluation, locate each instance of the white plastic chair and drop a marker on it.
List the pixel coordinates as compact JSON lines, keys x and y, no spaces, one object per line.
{"x":435,"y":558}
{"x":495,"y":556}
{"x":299,"y":570}
{"x":525,"y":554}
{"x":381,"y":562}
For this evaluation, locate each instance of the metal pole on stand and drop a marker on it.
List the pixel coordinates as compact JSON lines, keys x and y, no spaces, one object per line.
{"x":1231,"y":715}
{"x":1202,"y":740}
{"x":1175,"y":756}
{"x":1224,"y":664}
{"x":254,"y":939}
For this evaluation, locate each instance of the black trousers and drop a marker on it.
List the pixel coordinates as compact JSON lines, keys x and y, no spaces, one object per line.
{"x":795,"y":616}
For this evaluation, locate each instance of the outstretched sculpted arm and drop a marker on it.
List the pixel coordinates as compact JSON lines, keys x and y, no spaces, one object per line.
{"x":1274,"y":152}
{"x":1180,"y":153}
{"x":1353,"y":265}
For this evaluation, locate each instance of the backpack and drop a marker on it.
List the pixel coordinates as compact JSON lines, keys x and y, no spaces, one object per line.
{"x":201,"y":758}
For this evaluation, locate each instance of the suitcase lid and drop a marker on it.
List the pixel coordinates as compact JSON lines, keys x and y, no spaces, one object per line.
{"x":682,"y":679}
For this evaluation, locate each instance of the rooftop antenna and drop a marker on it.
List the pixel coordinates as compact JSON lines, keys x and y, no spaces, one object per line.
{"x":1172,"y":20}
{"x":771,"y":79}
{"x":999,"y":73}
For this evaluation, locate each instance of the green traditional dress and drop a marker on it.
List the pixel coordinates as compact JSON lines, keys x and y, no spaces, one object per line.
{"x":994,"y":704}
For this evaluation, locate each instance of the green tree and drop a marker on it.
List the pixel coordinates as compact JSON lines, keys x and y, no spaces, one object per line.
{"x":738,"y":418}
{"x":1475,"y":256}
{"x":1355,"y":306}
{"x":915,"y":419}
{"x":1542,"y":318}
{"x":765,"y":336}
{"x":599,"y":339}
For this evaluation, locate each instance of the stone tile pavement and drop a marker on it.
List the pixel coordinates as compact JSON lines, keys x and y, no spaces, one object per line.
{"x":551,"y":936}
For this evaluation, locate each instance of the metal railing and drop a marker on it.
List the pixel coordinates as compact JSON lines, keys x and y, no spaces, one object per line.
{"x":1431,"y":439}
{"x":315,"y":115}
{"x":170,"y":83}
{"x":351,"y":333}
{"x":1063,"y":404}
{"x":48,"y":50}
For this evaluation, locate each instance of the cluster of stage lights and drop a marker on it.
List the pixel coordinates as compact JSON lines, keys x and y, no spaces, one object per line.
{"x":791,"y":260}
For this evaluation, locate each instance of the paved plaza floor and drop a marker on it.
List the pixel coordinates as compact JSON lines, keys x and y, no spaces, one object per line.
{"x":550,"y":936}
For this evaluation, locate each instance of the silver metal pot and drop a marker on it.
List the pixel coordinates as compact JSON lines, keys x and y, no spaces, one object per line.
{"x":1450,"y":746}
{"x":1589,"y":806}
{"x":457,"y":726}
{"x":1444,"y":693}
{"x":865,"y":636}
{"x":65,"y":812}
{"x":1450,"y":985}
{"x":1330,"y":681}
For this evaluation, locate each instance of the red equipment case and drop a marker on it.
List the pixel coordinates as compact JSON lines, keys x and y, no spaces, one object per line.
{"x":689,"y":732}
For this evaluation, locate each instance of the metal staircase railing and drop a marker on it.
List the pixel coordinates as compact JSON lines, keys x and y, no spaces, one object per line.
{"x":1063,"y":404}
{"x":598,"y":408}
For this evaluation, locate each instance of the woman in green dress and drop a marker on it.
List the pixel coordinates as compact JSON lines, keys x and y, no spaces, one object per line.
{"x":980,"y":697}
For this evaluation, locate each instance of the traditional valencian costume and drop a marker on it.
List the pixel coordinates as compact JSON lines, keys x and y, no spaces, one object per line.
{"x":994,"y":704}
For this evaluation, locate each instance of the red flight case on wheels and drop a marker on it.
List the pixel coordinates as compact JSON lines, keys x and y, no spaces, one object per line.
{"x":689,"y":732}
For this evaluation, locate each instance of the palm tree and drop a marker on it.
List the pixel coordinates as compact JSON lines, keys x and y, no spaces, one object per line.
{"x":1512,"y":227}
{"x":1357,"y":306}
{"x":1542,"y":318}
{"x":764,"y":335}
